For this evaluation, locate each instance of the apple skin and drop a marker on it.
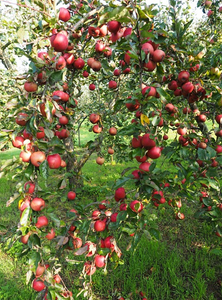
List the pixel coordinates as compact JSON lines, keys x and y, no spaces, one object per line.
{"x":39,"y":270}
{"x":51,"y":234}
{"x":41,"y":133}
{"x":183,"y":76}
{"x":110,"y":151}
{"x":158,"y":55}
{"x":112,"y":131}
{"x":144,"y":167}
{"x":112,"y":84}
{"x":38,"y":285}
{"x":29,"y":187}
{"x":120,"y":194}
{"x":37,"y":158}
{"x":54,"y":161}
{"x":93,"y":31}
{"x":94,"y":118}
{"x":21,"y":119}
{"x":59,"y":42}
{"x":90,"y":269}
{"x":152,"y":91}
{"x":113,"y":26}
{"x":147,"y":48}
{"x":18,"y":142}
{"x":85,"y":74}
{"x":30,"y":87}
{"x":71,"y":195}
{"x":100,"y":225}
{"x":60,"y":95}
{"x":154,"y":152}
{"x":96,"y":65}
{"x":63,"y":120}
{"x":99,"y":261}
{"x":134,"y":203}
{"x":100,"y":160}
{"x":37,"y":204}
{"x":24,"y":238}
{"x":42,"y":221}
{"x":92,"y":87}
{"x":97,"y":129}
{"x":64,"y":14}
{"x":79,"y":63}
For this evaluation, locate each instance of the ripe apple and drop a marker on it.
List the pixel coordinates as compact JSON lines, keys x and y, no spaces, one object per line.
{"x":112,"y":131}
{"x":100,"y":160}
{"x":92,"y":87}
{"x":110,"y":150}
{"x":38,"y":285}
{"x":218,"y":149}
{"x":99,"y":47}
{"x":202,"y":118}
{"x":54,"y":161}
{"x":182,"y":131}
{"x":136,"y":143}
{"x":154,"y":152}
{"x":94,"y":118}
{"x":113,"y":26}
{"x":107,"y":51}
{"x":136,"y":206}
{"x":61,"y":63}
{"x":41,"y":133}
{"x":21,"y":119}
{"x":218,"y":119}
{"x":37,"y":204}
{"x":99,"y":260}
{"x":147,"y":142}
{"x":145,"y":166}
{"x":69,"y":58}
{"x":112,"y":84}
{"x":85,"y":74}
{"x":71,"y":195}
{"x":158,"y":55}
{"x":79,"y":63}
{"x":152,"y":91}
{"x":64,"y":14}
{"x":96,"y":65}
{"x":30,"y":86}
{"x":29,"y":187}
{"x":51,"y":234}
{"x":120,"y":194}
{"x":60,"y":95}
{"x":183,"y":76}
{"x":37,"y":158}
{"x":59,"y":42}
{"x":149,"y":66}
{"x":100,"y":225}
{"x":42,"y":221}
{"x":188,"y":87}
{"x":147,"y":48}
{"x":24,"y":238}
{"x":116,"y":72}
{"x":97,"y":129}
{"x":39,"y":270}
{"x":103,"y":30}
{"x":63,"y":120}
{"x":18,"y":142}
{"x":93,"y":31}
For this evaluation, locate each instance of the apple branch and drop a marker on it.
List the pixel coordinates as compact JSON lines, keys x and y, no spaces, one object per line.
{"x":91,"y":13}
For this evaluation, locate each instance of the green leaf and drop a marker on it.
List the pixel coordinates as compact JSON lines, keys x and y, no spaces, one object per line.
{"x":34,"y":258}
{"x":216,"y":251}
{"x":25,"y":216}
{"x":54,"y":219}
{"x":120,"y":182}
{"x":44,"y":171}
{"x":214,"y":184}
{"x":154,"y":233}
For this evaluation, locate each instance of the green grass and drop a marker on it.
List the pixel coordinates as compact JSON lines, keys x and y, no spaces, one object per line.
{"x":179,"y":266}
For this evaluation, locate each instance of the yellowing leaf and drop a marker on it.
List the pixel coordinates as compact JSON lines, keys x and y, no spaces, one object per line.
{"x":144,"y":119}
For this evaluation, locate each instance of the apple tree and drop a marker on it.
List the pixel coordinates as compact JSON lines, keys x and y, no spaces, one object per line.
{"x":151,"y":92}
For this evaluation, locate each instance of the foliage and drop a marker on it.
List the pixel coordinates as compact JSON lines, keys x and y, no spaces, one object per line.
{"x":165,"y":75}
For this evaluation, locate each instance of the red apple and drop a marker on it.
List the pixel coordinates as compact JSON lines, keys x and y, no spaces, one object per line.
{"x":30,"y":87}
{"x":38,"y":285}
{"x":64,"y":14}
{"x":41,"y":133}
{"x":99,"y":261}
{"x":18,"y":142}
{"x":37,"y":204}
{"x":120,"y":194}
{"x":113,"y":26}
{"x":59,"y":42}
{"x":112,"y":131}
{"x":94,"y":118}
{"x":136,"y":206}
{"x":54,"y":161}
{"x":63,"y":120}
{"x":112,"y":84}
{"x":71,"y":195}
{"x":100,"y":160}
{"x":79,"y":63}
{"x":158,"y":55}
{"x":37,"y":158}
{"x":29,"y":187}
{"x":51,"y":234}
{"x":42,"y":221}
{"x":100,"y":225}
{"x":92,"y":87}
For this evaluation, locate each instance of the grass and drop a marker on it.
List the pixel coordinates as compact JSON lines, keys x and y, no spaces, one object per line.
{"x":179,"y":266}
